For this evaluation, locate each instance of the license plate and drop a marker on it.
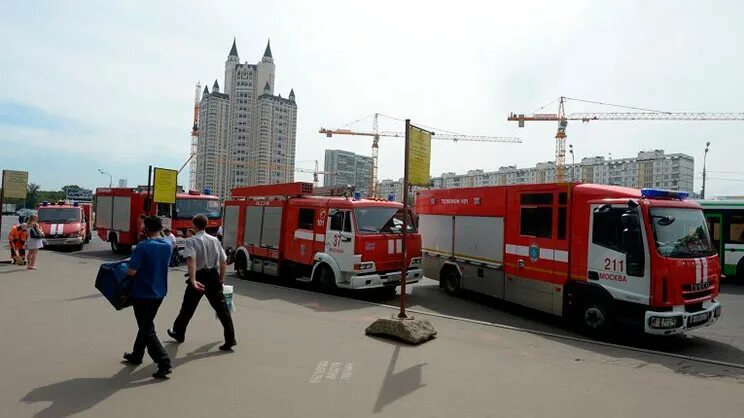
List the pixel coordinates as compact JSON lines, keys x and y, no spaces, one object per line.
{"x":702,"y":317}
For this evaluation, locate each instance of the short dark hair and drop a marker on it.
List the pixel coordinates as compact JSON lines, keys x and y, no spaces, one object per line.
{"x":153,"y":224}
{"x":200,"y":222}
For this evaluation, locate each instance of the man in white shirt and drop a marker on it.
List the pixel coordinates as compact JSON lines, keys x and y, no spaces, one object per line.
{"x":206,"y":262}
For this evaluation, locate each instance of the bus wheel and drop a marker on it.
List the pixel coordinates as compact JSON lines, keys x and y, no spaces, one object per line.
{"x":451,"y":281}
{"x":241,"y":266}
{"x":326,"y":281}
{"x":595,"y":318}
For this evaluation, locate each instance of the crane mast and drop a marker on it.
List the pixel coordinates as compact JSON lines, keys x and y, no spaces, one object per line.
{"x":194,"y":139}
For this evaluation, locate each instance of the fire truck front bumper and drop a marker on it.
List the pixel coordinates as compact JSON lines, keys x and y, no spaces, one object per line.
{"x":61,"y":242}
{"x":378,"y":280}
{"x":679,"y":320}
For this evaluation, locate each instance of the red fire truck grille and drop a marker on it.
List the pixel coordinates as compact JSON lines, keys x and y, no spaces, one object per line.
{"x":697,"y":290}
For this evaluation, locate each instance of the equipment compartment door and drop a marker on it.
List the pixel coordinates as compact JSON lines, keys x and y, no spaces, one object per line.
{"x":530,"y":249}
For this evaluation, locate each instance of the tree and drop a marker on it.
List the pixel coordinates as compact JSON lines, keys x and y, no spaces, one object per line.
{"x":32,"y":197}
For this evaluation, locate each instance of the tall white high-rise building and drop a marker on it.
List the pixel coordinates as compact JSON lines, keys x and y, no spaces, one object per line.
{"x":214,"y":137}
{"x":261,"y":128}
{"x":347,"y":169}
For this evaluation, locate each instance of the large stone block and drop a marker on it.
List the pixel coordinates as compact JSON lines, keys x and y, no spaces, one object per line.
{"x":412,"y":331}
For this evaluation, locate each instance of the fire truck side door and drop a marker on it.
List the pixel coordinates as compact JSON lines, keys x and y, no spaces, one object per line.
{"x":530,"y":250}
{"x":340,"y":238}
{"x":625,"y":276}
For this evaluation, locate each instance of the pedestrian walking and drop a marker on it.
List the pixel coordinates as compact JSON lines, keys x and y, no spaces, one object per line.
{"x":149,"y":268}
{"x":172,"y":238}
{"x":206,"y":261}
{"x":34,"y":242}
{"x":17,"y":237}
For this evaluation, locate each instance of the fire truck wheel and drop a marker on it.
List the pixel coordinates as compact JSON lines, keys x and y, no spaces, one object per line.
{"x":595,"y":317}
{"x":326,"y":281}
{"x":451,"y":281}
{"x":241,"y":266}
{"x":79,"y":247}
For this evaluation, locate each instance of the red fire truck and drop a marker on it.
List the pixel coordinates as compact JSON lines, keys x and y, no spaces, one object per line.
{"x":594,"y":254}
{"x":334,"y":242}
{"x":65,"y":224}
{"x":119,"y":213}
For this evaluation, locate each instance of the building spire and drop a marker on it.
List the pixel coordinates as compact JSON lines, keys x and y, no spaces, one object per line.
{"x":291,"y":95}
{"x":267,"y":52}
{"x":216,"y":86}
{"x":267,"y":87}
{"x":233,"y":50}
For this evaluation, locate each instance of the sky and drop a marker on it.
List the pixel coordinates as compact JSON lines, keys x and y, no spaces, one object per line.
{"x":95,"y":85}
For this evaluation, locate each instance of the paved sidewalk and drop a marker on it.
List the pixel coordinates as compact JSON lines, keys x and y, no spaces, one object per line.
{"x":305,"y":354}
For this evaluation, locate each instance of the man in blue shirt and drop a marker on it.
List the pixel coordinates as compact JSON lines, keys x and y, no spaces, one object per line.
{"x":149,"y":266}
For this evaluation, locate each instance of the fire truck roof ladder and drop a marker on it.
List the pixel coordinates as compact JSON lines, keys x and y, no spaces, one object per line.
{"x":285,"y":189}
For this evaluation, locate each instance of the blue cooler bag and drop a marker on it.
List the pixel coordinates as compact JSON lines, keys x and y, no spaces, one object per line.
{"x":114,"y":283}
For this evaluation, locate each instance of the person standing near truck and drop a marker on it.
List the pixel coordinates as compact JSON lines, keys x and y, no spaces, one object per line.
{"x":17,"y":241}
{"x":35,"y":241}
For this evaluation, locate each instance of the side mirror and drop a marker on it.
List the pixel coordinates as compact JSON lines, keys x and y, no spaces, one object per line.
{"x":630,"y":220}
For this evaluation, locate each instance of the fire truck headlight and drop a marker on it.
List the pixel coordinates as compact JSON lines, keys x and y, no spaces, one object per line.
{"x":663,"y":322}
{"x":415,"y":261}
{"x":364,"y":266}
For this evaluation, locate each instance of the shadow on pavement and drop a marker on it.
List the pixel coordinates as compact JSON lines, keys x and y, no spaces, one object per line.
{"x":76,"y":395}
{"x":398,"y":384}
{"x":86,"y":297}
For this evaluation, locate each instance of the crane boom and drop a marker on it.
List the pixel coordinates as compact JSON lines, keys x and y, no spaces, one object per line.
{"x":443,"y":137}
{"x":562,"y":119}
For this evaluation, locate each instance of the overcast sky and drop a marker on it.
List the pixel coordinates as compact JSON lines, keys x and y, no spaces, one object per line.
{"x":87,"y":85}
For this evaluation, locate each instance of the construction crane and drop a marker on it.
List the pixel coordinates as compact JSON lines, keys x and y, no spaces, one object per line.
{"x":194,"y":139}
{"x":376,"y":134}
{"x":315,"y":173}
{"x":636,"y":114}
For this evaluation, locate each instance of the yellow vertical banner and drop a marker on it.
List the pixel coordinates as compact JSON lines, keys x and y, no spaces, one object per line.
{"x":419,"y":156}
{"x":165,"y":184}
{"x":15,"y":184}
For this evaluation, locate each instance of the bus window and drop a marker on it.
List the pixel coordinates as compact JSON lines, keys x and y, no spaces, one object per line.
{"x":714,"y":226}
{"x":736,"y":229}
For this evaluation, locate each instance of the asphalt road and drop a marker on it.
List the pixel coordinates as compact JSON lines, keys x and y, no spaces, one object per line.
{"x":723,"y":341}
{"x":305,"y":354}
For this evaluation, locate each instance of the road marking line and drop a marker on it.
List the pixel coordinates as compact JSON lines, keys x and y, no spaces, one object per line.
{"x":348,"y":369}
{"x":333,"y":371}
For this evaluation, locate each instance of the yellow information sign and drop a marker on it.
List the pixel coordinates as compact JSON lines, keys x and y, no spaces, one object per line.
{"x":15,"y":184}
{"x":419,"y":156}
{"x":165,"y":184}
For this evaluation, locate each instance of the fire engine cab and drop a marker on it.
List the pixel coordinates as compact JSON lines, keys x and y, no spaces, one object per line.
{"x":334,"y":242}
{"x":595,"y":254}
{"x":65,"y":224}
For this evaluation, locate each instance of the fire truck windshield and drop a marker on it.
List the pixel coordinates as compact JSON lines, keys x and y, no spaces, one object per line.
{"x":59,"y":215}
{"x":376,"y":220}
{"x":681,"y":233}
{"x":188,"y":208}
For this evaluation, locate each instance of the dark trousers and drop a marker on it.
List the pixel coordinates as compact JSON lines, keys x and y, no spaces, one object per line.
{"x":145,"y":311}
{"x":213,"y":291}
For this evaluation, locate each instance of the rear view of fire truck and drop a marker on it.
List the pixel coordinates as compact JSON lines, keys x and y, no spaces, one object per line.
{"x":335,"y":242}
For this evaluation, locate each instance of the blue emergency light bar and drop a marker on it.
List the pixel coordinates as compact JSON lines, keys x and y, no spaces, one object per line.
{"x":663,"y":194}
{"x":391,"y":197}
{"x":75,"y":203}
{"x":45,"y":203}
{"x":357,"y":195}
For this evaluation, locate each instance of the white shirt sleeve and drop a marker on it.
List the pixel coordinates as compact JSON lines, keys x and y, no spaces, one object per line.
{"x":188,"y":248}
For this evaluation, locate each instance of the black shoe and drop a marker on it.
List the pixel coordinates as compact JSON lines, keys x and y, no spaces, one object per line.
{"x":228,"y":346}
{"x":162,"y":372}
{"x":175,"y":336}
{"x":131,"y":359}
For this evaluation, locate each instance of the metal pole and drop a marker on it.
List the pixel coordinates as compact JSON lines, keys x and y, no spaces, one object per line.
{"x":148,"y":203}
{"x":705,"y":158}
{"x":2,"y":200}
{"x":404,"y":270}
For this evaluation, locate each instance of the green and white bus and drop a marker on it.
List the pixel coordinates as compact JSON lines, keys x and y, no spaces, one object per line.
{"x":726,"y":225}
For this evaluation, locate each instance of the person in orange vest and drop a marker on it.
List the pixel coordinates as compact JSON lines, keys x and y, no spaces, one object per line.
{"x":17,"y":240}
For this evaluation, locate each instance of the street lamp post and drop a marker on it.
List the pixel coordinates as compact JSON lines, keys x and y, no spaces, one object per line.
{"x":573,"y":163}
{"x":111,"y":178}
{"x":705,"y":157}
